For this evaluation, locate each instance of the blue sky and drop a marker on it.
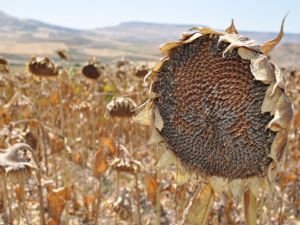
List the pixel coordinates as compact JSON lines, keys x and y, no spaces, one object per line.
{"x":260,"y":15}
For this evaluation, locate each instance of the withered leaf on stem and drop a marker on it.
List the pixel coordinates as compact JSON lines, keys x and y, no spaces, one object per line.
{"x":151,"y":187}
{"x":109,"y":143}
{"x":57,"y":199}
{"x":199,"y":207}
{"x":100,"y":164}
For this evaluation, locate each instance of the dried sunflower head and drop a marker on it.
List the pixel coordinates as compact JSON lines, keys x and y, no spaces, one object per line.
{"x":17,"y":159}
{"x":92,"y":70}
{"x":218,"y":104}
{"x":141,"y":71}
{"x":62,"y":54}
{"x":3,"y":61}
{"x":3,"y":65}
{"x":43,"y":66}
{"x":122,"y":62}
{"x":121,"y":107}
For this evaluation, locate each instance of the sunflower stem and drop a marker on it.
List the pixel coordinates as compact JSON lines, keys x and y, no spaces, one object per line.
{"x":199,"y":206}
{"x":250,"y":207}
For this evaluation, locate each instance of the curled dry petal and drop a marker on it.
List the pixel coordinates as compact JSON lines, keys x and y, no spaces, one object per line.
{"x":145,"y":117}
{"x":271,"y":98}
{"x":231,"y":29}
{"x":166,"y":159}
{"x":268,"y":46}
{"x":206,"y":30}
{"x":246,"y":53}
{"x":282,"y":116}
{"x":236,"y":41}
{"x":155,"y":137}
{"x":254,"y":185}
{"x":165,"y":48}
{"x":237,"y":188}
{"x":182,"y":175}
{"x":278,"y":77}
{"x":218,"y":184}
{"x":158,"y":121}
{"x":261,"y":69}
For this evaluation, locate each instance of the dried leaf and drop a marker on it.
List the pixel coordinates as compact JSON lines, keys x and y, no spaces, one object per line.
{"x":297,"y":120}
{"x":20,"y":193}
{"x":57,"y":144}
{"x":110,"y":145}
{"x":100,"y":164}
{"x":145,"y":117}
{"x":199,"y":207}
{"x":268,"y":46}
{"x":54,"y":98}
{"x":77,"y":158}
{"x":151,"y":187}
{"x":57,"y":199}
{"x":89,"y":201}
{"x":285,"y":178}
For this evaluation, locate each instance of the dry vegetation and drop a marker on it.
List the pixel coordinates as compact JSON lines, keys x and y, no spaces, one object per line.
{"x":84,"y":161}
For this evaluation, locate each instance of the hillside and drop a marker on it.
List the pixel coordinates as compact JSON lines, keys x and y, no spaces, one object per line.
{"x":22,"y":38}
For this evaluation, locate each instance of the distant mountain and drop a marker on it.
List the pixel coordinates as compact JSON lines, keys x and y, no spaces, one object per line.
{"x":8,"y":22}
{"x":22,"y":38}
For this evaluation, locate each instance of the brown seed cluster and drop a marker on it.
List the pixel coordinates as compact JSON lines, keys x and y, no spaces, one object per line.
{"x":43,"y":67}
{"x":91,"y":70}
{"x":211,"y":108}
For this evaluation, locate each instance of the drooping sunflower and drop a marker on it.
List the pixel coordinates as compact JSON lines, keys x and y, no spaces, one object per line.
{"x":92,"y":69}
{"x":217,"y":105}
{"x":43,"y":67}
